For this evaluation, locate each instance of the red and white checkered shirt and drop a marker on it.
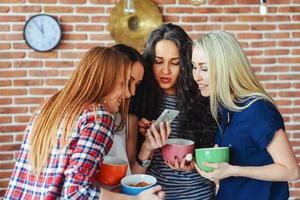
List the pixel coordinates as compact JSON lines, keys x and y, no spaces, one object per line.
{"x":69,"y":171}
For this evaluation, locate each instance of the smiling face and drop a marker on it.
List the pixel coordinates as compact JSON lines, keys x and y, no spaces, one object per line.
{"x":136,"y":76}
{"x":200,"y":70}
{"x":166,"y":65}
{"x":120,"y":91}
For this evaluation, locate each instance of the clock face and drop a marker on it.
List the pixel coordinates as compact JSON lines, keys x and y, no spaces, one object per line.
{"x":42,"y":32}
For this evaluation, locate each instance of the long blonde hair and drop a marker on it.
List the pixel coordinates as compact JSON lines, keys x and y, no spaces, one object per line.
{"x":231,"y":80}
{"x":94,"y":78}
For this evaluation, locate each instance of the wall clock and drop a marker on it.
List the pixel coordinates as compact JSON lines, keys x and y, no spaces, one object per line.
{"x":42,"y":32}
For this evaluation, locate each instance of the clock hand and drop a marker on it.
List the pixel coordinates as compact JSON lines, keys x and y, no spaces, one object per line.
{"x":37,"y":26}
{"x":42,"y":30}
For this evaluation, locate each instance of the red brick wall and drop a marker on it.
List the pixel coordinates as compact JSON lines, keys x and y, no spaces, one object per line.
{"x":27,"y":77}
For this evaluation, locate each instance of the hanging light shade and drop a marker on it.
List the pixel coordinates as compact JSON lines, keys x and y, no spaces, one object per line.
{"x":263,"y":10}
{"x":133,"y":29}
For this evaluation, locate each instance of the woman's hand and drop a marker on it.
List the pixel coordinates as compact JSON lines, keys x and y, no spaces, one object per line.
{"x":184,"y":165}
{"x":154,"y":139}
{"x":153,"y":193}
{"x":144,"y":125}
{"x":221,"y":170}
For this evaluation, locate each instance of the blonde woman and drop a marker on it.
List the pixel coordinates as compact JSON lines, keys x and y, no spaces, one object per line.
{"x":69,"y":135}
{"x":261,"y":159}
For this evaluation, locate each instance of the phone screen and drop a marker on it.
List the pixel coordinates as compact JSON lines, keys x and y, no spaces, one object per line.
{"x":167,"y":115}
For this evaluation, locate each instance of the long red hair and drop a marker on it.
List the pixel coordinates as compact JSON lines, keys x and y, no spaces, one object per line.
{"x":93,"y":79}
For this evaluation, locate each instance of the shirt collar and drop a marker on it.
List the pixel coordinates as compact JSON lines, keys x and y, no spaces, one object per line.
{"x":225,"y":115}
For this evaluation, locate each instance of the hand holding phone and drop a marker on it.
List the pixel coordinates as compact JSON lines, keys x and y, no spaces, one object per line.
{"x":167,"y":115}
{"x":144,"y":125}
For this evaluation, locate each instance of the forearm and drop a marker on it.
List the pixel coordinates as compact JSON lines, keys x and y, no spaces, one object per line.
{"x":272,"y":172}
{"x":132,"y":138}
{"x":137,"y":169}
{"x":106,"y":194}
{"x":285,"y":167}
{"x":143,"y":155}
{"x":131,"y":152}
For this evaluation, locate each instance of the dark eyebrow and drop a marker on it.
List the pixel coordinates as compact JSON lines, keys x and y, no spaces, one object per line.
{"x":138,"y":82}
{"x":163,"y":58}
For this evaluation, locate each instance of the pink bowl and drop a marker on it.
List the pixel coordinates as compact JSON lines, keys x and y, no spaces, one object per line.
{"x":177,"y":148}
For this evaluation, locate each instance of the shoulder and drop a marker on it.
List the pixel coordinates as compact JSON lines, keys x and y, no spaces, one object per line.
{"x":132,"y":118}
{"x":258,"y":108}
{"x":96,"y":113}
{"x":259,"y":113}
{"x":261,"y":120}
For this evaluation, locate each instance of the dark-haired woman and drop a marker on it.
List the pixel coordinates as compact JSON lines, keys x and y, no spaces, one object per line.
{"x":124,"y":145}
{"x":168,"y":83}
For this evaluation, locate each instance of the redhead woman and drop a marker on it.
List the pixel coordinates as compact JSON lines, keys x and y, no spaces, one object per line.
{"x":68,"y":136}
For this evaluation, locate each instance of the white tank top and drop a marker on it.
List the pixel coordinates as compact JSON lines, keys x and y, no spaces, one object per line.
{"x":118,"y":148}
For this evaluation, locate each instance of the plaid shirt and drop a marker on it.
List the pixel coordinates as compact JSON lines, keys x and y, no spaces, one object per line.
{"x":69,"y":171}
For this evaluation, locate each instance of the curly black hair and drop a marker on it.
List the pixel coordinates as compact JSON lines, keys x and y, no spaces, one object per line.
{"x":198,"y":124}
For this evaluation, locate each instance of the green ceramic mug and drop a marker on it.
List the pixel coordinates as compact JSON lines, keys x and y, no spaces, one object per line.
{"x":212,"y":155}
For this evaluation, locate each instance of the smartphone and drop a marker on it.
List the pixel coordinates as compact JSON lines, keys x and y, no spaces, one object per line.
{"x":167,"y":115}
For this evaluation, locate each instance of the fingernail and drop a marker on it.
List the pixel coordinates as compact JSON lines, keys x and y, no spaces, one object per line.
{"x":189,"y":157}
